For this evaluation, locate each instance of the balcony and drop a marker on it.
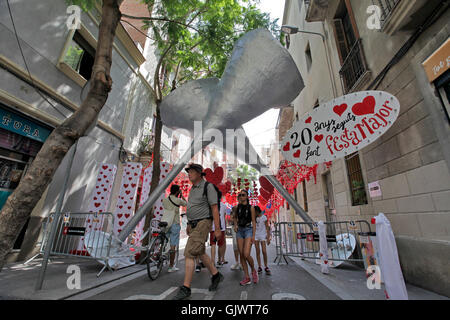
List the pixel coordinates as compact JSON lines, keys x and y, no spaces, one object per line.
{"x":404,"y":15}
{"x":316,"y":10}
{"x":354,"y":72}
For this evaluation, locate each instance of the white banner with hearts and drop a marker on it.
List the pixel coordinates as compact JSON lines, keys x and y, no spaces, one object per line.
{"x":99,"y":200}
{"x":340,"y":127}
{"x":158,"y":209}
{"x":127,"y":196}
{"x":145,"y":190}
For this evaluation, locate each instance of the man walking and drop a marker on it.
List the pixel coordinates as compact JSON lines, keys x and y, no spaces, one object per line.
{"x":201,"y":212}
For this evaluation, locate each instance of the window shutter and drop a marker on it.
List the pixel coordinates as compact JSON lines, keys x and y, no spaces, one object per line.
{"x":341,"y":40}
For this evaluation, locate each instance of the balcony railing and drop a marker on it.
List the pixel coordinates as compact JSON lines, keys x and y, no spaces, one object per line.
{"x":387,"y":7}
{"x":354,"y":67}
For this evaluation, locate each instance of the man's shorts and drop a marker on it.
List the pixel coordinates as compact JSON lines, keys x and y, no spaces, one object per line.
{"x":195,"y":245}
{"x":174,"y":234}
{"x":212,"y":237}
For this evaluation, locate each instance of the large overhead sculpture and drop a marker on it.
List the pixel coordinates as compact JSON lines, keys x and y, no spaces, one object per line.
{"x":260,"y":75}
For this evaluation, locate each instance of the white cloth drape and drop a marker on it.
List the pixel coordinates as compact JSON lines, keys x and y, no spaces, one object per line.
{"x":323,"y":247}
{"x":389,"y":261}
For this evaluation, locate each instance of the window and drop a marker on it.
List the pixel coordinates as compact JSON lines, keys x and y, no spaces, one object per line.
{"x":308,"y":57}
{"x":355,"y":178}
{"x":387,"y":7}
{"x":305,"y":197}
{"x":80,"y":56}
{"x":349,"y":46}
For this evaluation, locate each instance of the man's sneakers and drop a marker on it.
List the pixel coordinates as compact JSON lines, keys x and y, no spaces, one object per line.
{"x":198,"y":268}
{"x":172,"y":269}
{"x":259,"y":270}
{"x":215,"y":280}
{"x":183,"y":293}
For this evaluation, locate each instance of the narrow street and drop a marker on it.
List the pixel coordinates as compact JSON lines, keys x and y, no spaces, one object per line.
{"x":285,"y":279}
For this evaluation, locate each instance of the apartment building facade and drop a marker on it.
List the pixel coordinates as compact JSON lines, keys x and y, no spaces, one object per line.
{"x":45,"y":86}
{"x":396,"y":46}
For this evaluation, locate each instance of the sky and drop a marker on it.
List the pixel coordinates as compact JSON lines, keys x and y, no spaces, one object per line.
{"x":261,"y":130}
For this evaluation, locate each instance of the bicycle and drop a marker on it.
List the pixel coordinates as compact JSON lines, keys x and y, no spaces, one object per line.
{"x":158,"y":252}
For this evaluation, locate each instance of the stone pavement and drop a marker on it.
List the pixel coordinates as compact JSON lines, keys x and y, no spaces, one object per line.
{"x":299,"y":277}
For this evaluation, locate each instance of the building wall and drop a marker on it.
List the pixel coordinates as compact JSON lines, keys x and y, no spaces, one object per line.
{"x":410,"y":161}
{"x":42,"y":30}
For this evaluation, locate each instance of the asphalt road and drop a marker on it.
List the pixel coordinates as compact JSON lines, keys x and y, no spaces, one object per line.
{"x":288,"y":279}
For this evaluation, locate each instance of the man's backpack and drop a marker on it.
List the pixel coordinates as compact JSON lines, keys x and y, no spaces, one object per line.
{"x":219,"y":196}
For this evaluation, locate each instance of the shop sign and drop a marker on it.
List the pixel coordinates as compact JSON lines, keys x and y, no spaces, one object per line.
{"x":15,"y":123}
{"x":340,"y":127}
{"x":438,"y":63}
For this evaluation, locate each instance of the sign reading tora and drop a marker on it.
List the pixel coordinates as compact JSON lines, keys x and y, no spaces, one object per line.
{"x":340,"y":127}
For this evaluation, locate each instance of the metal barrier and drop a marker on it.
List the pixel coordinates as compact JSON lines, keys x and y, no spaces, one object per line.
{"x":301,"y":239}
{"x":88,"y":236}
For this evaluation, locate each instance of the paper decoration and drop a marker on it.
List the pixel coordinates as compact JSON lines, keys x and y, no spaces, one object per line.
{"x":146,"y":182}
{"x":340,"y":127}
{"x":127,"y":196}
{"x":158,"y":209}
{"x":375,"y":189}
{"x":99,"y":200}
{"x":389,"y":261}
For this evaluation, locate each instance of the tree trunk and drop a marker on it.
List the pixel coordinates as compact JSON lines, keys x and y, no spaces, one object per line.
{"x":156,"y":168}
{"x":21,"y":202}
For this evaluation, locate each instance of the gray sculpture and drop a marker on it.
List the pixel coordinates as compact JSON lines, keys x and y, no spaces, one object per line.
{"x":260,"y":75}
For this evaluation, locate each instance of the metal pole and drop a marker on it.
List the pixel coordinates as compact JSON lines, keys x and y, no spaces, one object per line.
{"x":162,"y":186}
{"x":51,"y":238}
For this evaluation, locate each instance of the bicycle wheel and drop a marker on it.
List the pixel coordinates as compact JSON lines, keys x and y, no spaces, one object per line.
{"x":155,"y":258}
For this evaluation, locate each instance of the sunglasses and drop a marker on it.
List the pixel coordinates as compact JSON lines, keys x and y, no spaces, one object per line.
{"x":242,"y":195}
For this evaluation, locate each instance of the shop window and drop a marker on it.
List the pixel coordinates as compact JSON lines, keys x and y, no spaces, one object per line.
{"x":355,"y":177}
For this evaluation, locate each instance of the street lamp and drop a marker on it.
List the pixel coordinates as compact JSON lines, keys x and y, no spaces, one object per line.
{"x":294,"y":30}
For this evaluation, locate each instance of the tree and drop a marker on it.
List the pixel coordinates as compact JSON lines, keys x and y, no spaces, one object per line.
{"x":194,"y":39}
{"x":244,"y":172}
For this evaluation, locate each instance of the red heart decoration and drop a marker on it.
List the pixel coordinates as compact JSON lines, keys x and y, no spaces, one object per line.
{"x":297,"y":154}
{"x":99,"y":179}
{"x":287,"y":147}
{"x":366,"y":107}
{"x":127,"y":215}
{"x":98,"y":192}
{"x":120,"y":207}
{"x":95,"y":198}
{"x":121,"y":223}
{"x":119,"y":230}
{"x":129,"y":207}
{"x":125,"y":185}
{"x":130,"y":178}
{"x":127,"y":191}
{"x":266,"y":184}
{"x":262,"y":200}
{"x":105,"y":167}
{"x":214,"y":177}
{"x":308,"y":120}
{"x":318,"y":138}
{"x":104,"y":176}
{"x":119,"y":215}
{"x":133,"y":185}
{"x":339,"y":110}
{"x":265,"y":194}
{"x":97,"y":205}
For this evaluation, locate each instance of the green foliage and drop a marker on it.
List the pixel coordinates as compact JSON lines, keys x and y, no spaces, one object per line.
{"x":201,"y":34}
{"x":244,"y":172}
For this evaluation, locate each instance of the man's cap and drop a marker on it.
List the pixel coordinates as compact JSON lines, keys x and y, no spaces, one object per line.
{"x":196,"y":167}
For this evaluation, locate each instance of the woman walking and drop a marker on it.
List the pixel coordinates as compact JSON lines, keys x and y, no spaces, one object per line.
{"x":245,"y":227}
{"x":262,"y":235}
{"x":171,"y":206}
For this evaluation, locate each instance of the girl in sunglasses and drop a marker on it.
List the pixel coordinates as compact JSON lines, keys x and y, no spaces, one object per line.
{"x":244,"y":217}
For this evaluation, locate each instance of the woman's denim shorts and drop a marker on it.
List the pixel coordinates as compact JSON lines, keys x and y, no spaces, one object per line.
{"x":244,"y":233}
